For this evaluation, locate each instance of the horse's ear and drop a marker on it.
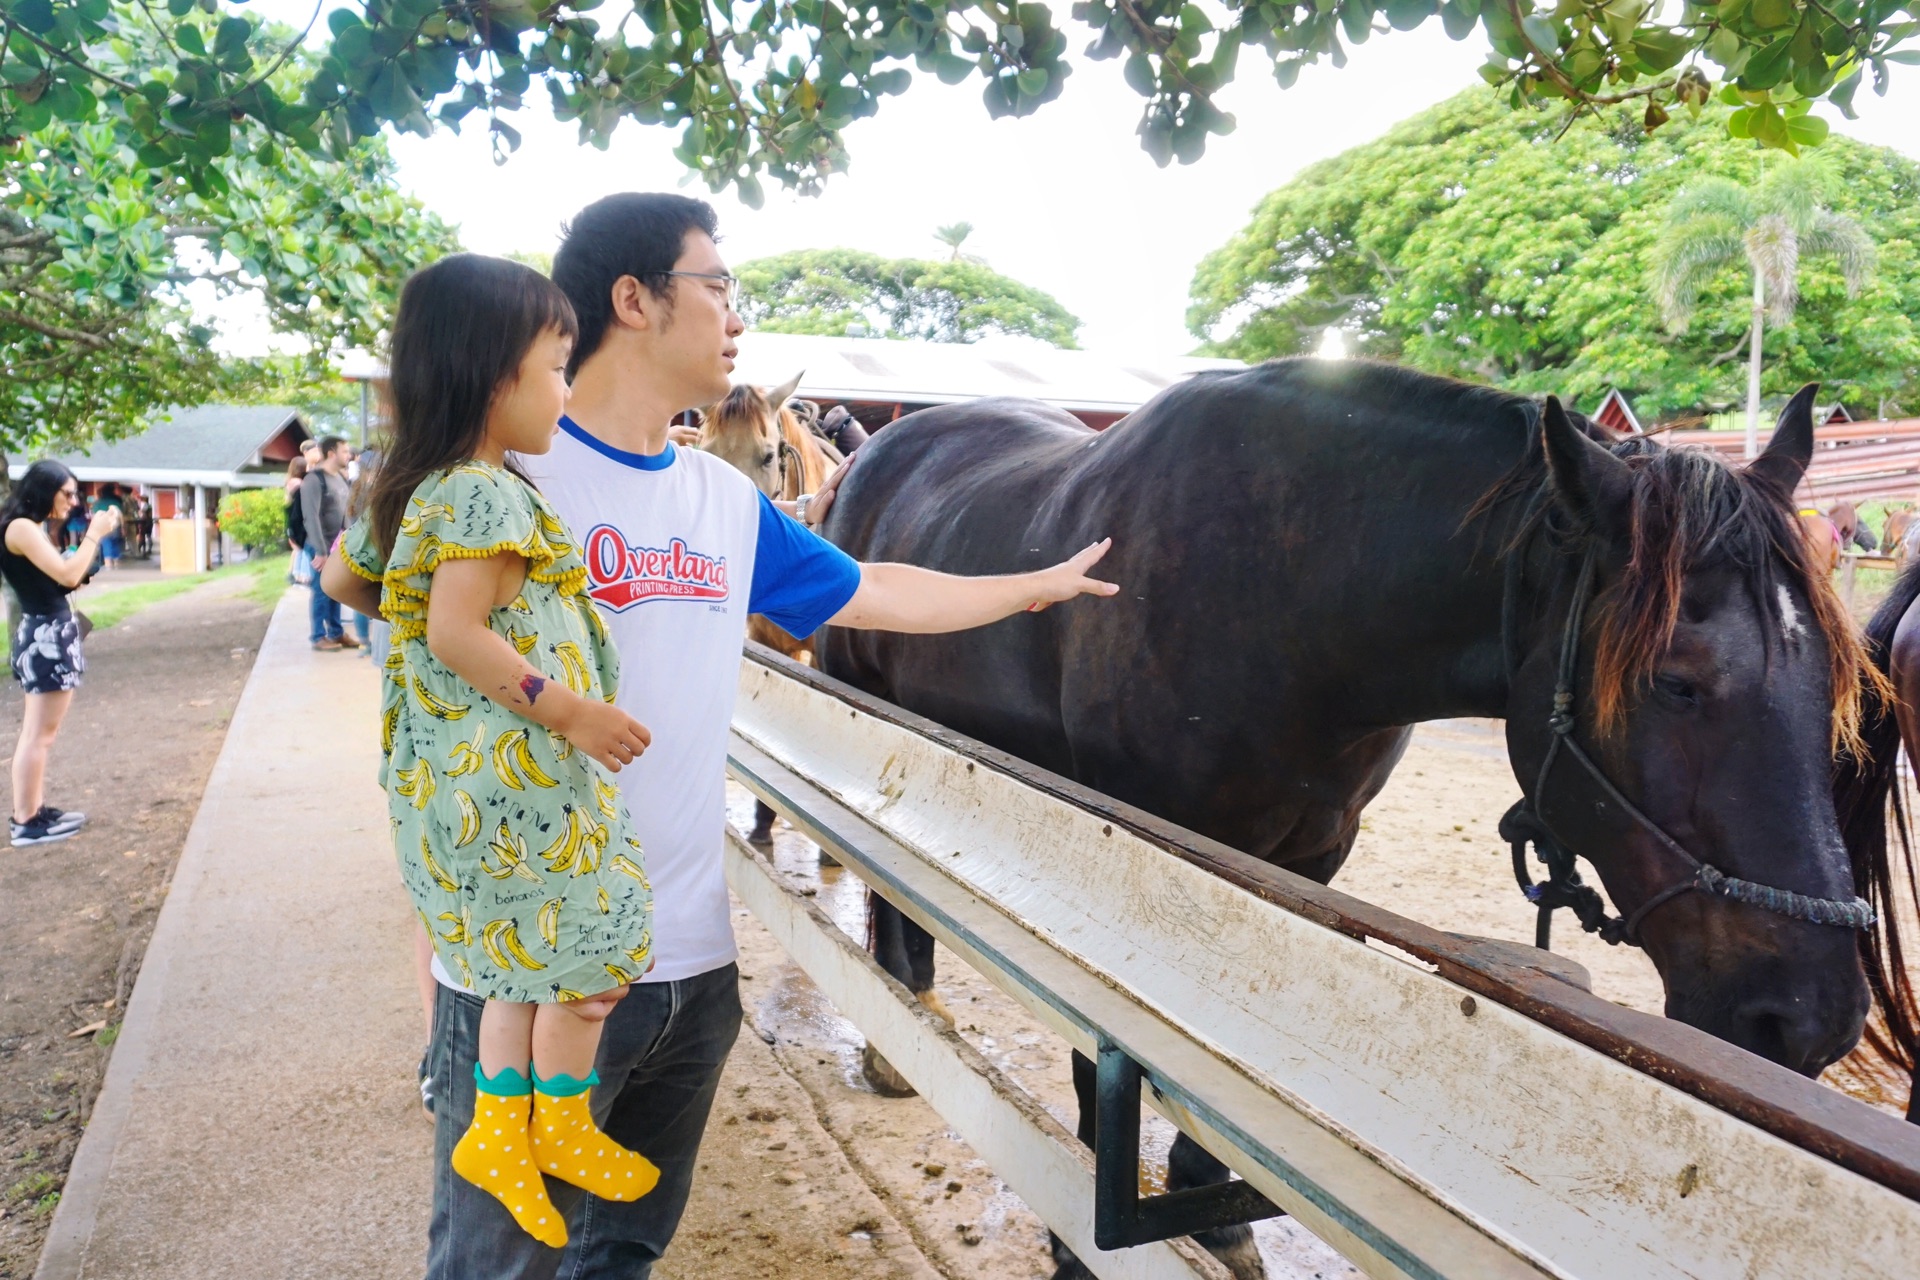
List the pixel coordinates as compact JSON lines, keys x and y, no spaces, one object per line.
{"x":784,"y":392}
{"x":1594,"y":486}
{"x":1786,"y":456}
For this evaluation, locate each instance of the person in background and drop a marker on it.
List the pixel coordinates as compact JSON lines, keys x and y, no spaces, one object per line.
{"x":323,"y":508}
{"x":47,"y":657}
{"x":77,"y":516}
{"x":300,"y":571}
{"x":115,"y":544}
{"x":142,"y":525}
{"x":372,"y":630}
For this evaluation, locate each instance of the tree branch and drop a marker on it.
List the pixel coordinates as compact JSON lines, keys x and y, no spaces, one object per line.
{"x":64,"y":56}
{"x":1552,"y":70}
{"x":95,"y":341}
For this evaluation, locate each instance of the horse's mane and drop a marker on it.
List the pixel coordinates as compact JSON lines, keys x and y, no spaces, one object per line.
{"x":1866,"y":790}
{"x":1691,"y":511}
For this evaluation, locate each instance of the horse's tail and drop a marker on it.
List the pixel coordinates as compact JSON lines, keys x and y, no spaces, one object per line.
{"x":1867,"y":795}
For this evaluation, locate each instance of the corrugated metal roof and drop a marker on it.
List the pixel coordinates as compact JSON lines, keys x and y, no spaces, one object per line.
{"x":912,"y":372}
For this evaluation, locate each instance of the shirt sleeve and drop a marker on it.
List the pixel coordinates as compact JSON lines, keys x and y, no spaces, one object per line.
{"x":799,"y":578}
{"x":362,"y":557}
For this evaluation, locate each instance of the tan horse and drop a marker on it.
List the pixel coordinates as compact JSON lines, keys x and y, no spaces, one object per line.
{"x":1823,"y":541}
{"x":760,"y":436}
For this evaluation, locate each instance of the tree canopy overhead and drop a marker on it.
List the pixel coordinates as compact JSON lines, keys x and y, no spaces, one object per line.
{"x":767,"y":87}
{"x":1468,"y":241}
{"x":842,"y":291}
{"x":96,"y":255}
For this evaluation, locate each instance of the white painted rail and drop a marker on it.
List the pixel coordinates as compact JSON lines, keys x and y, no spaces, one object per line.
{"x":1431,"y":1111}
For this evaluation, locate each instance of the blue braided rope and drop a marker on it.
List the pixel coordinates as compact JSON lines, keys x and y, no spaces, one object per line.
{"x":1854,"y":914}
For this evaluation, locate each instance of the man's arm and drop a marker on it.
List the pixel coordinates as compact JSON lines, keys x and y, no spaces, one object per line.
{"x":903,"y":597}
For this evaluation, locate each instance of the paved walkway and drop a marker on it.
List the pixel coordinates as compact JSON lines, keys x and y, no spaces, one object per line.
{"x":259,"y":1117}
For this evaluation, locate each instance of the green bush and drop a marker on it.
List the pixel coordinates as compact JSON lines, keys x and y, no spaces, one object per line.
{"x":255,"y":518}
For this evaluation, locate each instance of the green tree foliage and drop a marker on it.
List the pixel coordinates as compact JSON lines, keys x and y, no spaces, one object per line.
{"x":769,"y":89}
{"x":96,"y":250}
{"x":255,"y":518}
{"x":1468,"y":241}
{"x":1715,"y":223}
{"x":829,"y":290}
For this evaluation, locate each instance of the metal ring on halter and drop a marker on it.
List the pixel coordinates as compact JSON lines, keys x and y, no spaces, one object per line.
{"x":1563,"y":887}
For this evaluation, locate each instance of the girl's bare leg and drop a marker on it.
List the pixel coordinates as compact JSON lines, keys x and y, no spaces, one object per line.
{"x":496,"y":1155}
{"x":566,"y":1141}
{"x":38,"y":729}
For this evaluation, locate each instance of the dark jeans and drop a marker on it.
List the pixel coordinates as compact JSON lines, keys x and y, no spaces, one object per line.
{"x":661,"y":1051}
{"x":323,"y":611}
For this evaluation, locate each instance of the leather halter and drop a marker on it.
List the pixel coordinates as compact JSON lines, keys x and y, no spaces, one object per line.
{"x":1563,"y":887}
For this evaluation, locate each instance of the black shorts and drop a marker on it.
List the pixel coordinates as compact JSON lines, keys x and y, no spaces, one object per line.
{"x":47,"y":657}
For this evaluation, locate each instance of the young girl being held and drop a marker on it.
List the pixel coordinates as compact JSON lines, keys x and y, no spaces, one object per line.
{"x":498,"y":726}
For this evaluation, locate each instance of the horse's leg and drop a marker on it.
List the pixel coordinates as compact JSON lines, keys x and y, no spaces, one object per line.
{"x":762,"y":834}
{"x":904,"y":950}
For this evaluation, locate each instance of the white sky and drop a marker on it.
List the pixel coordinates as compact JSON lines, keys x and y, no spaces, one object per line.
{"x":1064,"y":200}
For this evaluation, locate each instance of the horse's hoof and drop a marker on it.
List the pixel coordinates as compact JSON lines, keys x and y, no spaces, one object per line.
{"x":760,"y":839}
{"x":886,"y":1082}
{"x":1235,"y":1248}
{"x":828,"y":860}
{"x":932,"y":1000}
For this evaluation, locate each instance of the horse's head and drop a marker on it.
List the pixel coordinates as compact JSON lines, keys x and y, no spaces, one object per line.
{"x":744,"y":430}
{"x":1714,"y":676}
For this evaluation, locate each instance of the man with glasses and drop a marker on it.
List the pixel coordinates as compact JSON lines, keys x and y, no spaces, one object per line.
{"x":680,"y":548}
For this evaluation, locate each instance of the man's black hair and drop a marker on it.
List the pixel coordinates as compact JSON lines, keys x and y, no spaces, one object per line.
{"x":329,"y":445}
{"x":638,"y":234}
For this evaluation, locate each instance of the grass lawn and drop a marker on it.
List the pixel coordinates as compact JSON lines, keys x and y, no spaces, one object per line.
{"x":266,"y":579}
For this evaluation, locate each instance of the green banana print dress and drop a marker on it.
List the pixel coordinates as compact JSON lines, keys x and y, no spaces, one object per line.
{"x":517,"y":849}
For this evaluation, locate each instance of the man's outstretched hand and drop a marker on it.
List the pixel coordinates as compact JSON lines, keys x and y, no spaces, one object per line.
{"x":1069,"y":579}
{"x":823,"y":496}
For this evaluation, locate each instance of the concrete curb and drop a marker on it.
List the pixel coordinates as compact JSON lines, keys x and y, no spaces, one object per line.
{"x":64,"y":1255}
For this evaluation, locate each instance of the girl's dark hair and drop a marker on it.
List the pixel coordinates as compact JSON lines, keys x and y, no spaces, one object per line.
{"x":463,"y":326}
{"x":33,"y":493}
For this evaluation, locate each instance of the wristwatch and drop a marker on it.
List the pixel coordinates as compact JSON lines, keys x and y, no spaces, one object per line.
{"x":800,"y":505}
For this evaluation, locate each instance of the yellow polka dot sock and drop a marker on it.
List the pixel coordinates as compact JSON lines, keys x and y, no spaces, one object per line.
{"x":497,"y":1156}
{"x":569,"y":1145}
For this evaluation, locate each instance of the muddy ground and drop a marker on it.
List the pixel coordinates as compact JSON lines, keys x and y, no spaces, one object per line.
{"x":133,"y":754}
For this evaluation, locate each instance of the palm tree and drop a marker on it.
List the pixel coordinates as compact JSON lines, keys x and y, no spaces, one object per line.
{"x":1715,"y":222}
{"x":953,"y":237}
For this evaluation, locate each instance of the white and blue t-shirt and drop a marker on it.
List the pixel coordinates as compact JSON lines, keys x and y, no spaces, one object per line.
{"x":680,"y":548}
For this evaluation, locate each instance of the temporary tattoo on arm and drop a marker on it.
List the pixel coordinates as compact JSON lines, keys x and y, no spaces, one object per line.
{"x":531,"y":685}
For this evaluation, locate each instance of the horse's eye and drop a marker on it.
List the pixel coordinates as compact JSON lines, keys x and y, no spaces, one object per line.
{"x":766,"y":459}
{"x":1674,"y":689}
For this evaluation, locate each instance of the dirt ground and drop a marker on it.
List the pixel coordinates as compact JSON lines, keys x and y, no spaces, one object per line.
{"x":134,"y":755}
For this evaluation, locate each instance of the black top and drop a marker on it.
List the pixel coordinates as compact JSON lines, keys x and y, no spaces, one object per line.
{"x":38,"y":593}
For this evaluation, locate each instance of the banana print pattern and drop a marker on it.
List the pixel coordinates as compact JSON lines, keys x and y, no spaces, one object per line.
{"x":516,"y":848}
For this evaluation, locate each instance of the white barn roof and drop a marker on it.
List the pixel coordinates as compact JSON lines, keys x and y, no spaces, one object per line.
{"x":912,"y":372}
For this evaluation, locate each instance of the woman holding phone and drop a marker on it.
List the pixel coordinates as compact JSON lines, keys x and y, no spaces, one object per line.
{"x":47,"y":657}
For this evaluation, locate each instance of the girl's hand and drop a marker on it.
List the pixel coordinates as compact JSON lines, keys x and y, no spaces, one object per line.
{"x":102,"y":523}
{"x":606,"y":733}
{"x":1069,"y":579}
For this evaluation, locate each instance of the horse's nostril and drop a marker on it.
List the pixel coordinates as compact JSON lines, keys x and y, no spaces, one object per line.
{"x":1797,"y":1038}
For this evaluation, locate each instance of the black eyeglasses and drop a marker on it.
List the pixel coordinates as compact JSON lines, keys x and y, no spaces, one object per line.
{"x":70,"y":492}
{"x":731,"y":282}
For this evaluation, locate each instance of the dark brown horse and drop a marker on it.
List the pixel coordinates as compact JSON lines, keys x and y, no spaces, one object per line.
{"x":1873,"y":815}
{"x":1258,"y":675}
